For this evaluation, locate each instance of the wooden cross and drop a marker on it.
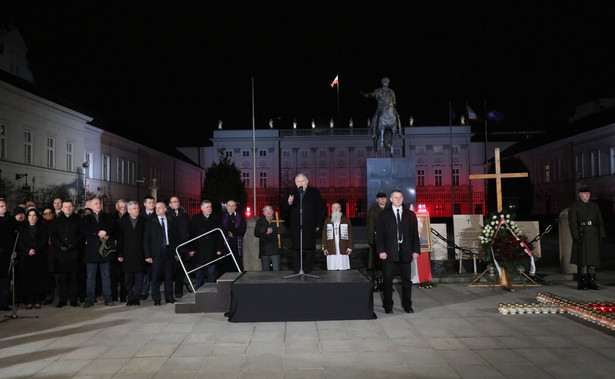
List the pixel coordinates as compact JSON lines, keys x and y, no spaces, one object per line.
{"x":277,"y":221}
{"x":498,"y":176}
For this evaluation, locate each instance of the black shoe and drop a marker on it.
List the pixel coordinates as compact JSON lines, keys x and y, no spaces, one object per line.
{"x":171,"y":300}
{"x":110,"y":303}
{"x":582,"y":284}
{"x":136,"y":302}
{"x":129,"y":303}
{"x":143,"y":297}
{"x":122,"y":300}
{"x":74,"y":303}
{"x":61,"y":304}
{"x":388,"y":311}
{"x":179,"y":295}
{"x":591,"y":282}
{"x":409,"y":310}
{"x":88,"y":303}
{"x":156,"y":302}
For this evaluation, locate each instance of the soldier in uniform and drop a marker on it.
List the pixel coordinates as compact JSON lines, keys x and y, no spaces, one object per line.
{"x":586,"y":228}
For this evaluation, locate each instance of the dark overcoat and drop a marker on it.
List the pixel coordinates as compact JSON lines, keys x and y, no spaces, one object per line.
{"x":89,"y":229}
{"x":8,"y":233}
{"x":34,"y":269}
{"x":66,"y":237}
{"x":130,"y":243}
{"x":267,"y":243}
{"x":154,"y":236}
{"x":313,"y":216}
{"x":578,"y":214}
{"x":206,"y":247}
{"x":386,"y":235}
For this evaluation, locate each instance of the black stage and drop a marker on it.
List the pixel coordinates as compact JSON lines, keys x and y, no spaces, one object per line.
{"x":267,"y":296}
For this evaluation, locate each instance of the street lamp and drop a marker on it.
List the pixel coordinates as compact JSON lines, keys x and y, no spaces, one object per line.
{"x":85,"y":166}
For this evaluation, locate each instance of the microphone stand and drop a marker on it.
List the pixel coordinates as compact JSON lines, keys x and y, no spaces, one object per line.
{"x":11,"y":271}
{"x":301,"y":273}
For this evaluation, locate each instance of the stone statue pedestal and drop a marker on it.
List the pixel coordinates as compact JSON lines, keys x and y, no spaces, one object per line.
{"x":388,"y":174}
{"x":251,"y":261}
{"x":565,"y":244}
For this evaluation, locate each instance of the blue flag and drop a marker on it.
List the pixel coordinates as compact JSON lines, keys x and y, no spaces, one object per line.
{"x":494,"y":115}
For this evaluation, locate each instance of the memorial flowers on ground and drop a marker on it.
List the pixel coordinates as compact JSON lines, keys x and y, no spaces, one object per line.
{"x":505,"y":245}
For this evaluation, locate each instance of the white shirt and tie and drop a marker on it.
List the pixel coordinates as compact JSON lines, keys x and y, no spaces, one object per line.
{"x":165,"y":237}
{"x":398,"y":216}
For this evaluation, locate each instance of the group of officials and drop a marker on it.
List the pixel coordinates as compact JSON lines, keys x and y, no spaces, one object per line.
{"x":395,"y":237}
{"x":134,"y":249}
{"x":121,"y":256}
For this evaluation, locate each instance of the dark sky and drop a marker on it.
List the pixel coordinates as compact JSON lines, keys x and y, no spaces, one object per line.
{"x":167,"y":71}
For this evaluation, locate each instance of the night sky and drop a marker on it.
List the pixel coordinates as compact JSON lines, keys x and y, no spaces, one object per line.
{"x":167,"y":71}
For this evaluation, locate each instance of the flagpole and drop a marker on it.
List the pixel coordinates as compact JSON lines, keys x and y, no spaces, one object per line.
{"x":485,"y":105}
{"x":486,"y":165}
{"x":338,"y":96}
{"x":253,"y":154}
{"x":450,"y":127}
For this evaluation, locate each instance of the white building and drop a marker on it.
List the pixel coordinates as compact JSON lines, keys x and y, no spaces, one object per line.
{"x":334,"y":159}
{"x":559,"y":168}
{"x":44,"y":143}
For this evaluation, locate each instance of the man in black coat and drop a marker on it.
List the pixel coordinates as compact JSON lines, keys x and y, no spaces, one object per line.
{"x":177,"y":212}
{"x":206,"y":248}
{"x":66,"y":236}
{"x":310,"y":200}
{"x":8,"y":230}
{"x":397,"y":243}
{"x":131,"y":229}
{"x":159,"y":243}
{"x":96,"y":228}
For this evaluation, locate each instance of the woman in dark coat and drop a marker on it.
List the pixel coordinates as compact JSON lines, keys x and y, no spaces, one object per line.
{"x":268,"y":234}
{"x":33,"y":246}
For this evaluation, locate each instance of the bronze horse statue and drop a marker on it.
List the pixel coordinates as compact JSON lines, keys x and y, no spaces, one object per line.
{"x":386,"y":120}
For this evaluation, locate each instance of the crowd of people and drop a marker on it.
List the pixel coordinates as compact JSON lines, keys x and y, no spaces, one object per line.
{"x":130,"y":255}
{"x":126,"y":256}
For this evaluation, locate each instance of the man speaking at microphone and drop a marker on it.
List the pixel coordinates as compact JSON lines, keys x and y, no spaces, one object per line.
{"x":309,"y":199}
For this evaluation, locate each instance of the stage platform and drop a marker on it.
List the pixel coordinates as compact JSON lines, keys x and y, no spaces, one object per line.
{"x":258,"y":296}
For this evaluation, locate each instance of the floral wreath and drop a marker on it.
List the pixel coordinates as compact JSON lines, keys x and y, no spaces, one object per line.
{"x":505,"y":244}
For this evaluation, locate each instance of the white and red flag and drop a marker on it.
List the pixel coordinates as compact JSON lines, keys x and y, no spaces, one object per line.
{"x":335,"y":81}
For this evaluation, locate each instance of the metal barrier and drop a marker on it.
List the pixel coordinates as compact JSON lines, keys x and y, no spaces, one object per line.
{"x":230,"y":252}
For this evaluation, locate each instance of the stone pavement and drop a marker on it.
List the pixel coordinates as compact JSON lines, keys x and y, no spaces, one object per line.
{"x":456,"y":332}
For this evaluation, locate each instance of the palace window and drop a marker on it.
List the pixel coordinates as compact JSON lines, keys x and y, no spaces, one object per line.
{"x":262,"y":177}
{"x":420,"y":178}
{"x":69,"y":156}
{"x":121,"y":167}
{"x":106,"y":167}
{"x":455,"y":176}
{"x":131,"y":172}
{"x":262,"y":153}
{"x":245,"y":178}
{"x":438,"y":177}
{"x":595,"y":163}
{"x":2,"y":141}
{"x":437,"y":149}
{"x":27,"y":147}
{"x":51,"y":152}
{"x":228,"y":153}
{"x":547,"y":172}
{"x":88,"y":170}
{"x":245,"y":153}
